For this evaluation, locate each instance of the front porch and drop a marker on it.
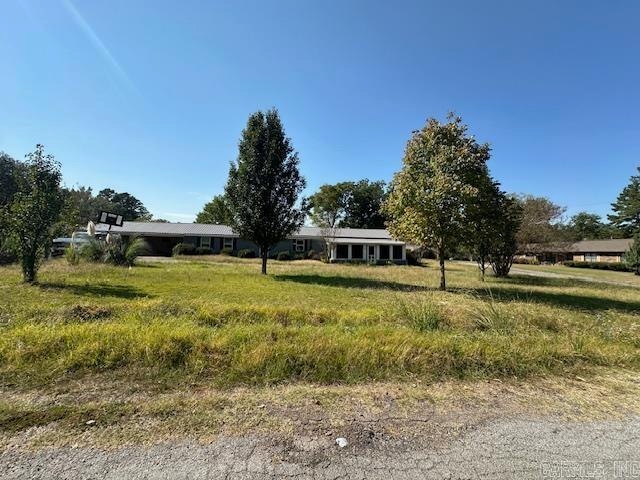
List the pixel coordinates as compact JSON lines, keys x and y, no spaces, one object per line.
{"x":360,"y":250}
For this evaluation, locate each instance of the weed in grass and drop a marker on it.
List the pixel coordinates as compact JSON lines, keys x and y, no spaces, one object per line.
{"x":490,"y":315}
{"x":421,"y":314}
{"x":88,"y":312}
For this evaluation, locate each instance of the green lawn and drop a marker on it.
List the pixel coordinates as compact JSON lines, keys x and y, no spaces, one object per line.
{"x":587,"y":273}
{"x":217,"y":320}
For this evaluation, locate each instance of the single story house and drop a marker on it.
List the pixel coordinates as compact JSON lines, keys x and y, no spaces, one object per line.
{"x":611,"y":250}
{"x":346,"y":244}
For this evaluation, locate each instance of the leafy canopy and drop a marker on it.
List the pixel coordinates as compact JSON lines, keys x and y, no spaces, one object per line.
{"x":216,"y":211}
{"x":35,"y":209}
{"x":429,"y":198}
{"x":349,"y":205}
{"x":264,"y":184}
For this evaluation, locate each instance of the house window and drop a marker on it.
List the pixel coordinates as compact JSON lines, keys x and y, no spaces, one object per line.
{"x":357,"y":252}
{"x":342,"y":251}
{"x":590,"y":257}
{"x":298,"y":245}
{"x":397,"y":252}
{"x":228,"y":243}
{"x":384,"y":252}
{"x":205,"y":242}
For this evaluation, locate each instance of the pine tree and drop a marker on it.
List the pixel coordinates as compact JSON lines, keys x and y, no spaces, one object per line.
{"x":626,"y":208}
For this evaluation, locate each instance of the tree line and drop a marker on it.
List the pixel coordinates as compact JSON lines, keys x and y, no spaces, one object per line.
{"x":443,"y":198}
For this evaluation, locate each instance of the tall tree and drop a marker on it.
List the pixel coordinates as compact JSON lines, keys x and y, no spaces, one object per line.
{"x":626,"y":208}
{"x":540,"y":221}
{"x":264,"y":184}
{"x":216,"y":211}
{"x":125,"y":204}
{"x":430,"y":196}
{"x":363,"y":208}
{"x":327,"y":205}
{"x":587,"y":226}
{"x":35,"y":209}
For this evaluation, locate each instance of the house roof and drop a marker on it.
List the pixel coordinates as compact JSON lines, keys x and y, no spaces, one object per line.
{"x":205,"y":229}
{"x":161,"y":229}
{"x":366,"y":241}
{"x":615,"y":245}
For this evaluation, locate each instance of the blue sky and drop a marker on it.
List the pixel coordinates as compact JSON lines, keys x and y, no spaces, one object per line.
{"x":151,"y":97}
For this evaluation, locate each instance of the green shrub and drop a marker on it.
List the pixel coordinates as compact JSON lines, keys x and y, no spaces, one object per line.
{"x":124,"y":251}
{"x":615,"y":266}
{"x":183,"y":249}
{"x":313,"y":255}
{"x":203,"y":251}
{"x":283,"y":256}
{"x":93,"y":251}
{"x":526,"y":261}
{"x":226,"y":251}
{"x":246,"y":253}
{"x":71,"y":255}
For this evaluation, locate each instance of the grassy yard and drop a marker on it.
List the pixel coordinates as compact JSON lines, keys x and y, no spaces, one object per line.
{"x":587,"y":273}
{"x":217,"y":320}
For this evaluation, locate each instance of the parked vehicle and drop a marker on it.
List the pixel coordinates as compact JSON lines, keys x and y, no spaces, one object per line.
{"x":60,"y":244}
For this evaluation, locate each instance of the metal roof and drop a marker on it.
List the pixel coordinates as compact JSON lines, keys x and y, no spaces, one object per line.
{"x":161,"y":229}
{"x":366,"y":241}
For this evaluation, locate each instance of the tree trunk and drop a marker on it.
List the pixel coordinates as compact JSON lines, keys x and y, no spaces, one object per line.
{"x":443,"y":283}
{"x":264,"y":253}
{"x":483,"y":267}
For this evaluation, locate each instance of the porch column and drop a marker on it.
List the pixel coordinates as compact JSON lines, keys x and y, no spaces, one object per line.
{"x":349,"y":254}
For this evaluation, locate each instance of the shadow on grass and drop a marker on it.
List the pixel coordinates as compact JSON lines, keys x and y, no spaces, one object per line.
{"x":351,"y":282}
{"x":97,"y":290}
{"x":502,"y":293}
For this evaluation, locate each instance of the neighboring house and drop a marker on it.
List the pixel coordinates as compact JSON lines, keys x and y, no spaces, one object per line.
{"x":345,"y":244}
{"x":583,"y":251}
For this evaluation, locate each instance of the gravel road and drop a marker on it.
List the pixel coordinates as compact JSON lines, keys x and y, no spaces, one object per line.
{"x":519,"y":448}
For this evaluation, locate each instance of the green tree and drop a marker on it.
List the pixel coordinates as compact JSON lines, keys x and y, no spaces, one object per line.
{"x":264,"y":184}
{"x":327,"y":205}
{"x":632,"y":256}
{"x":35,"y":209}
{"x":124,"y":204}
{"x":363,"y":207}
{"x":587,"y":226}
{"x":430,"y":196}
{"x":505,"y":224}
{"x":10,"y":171}
{"x":481,"y":215}
{"x":540,"y":221}
{"x":216,"y":211}
{"x":626,"y":208}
